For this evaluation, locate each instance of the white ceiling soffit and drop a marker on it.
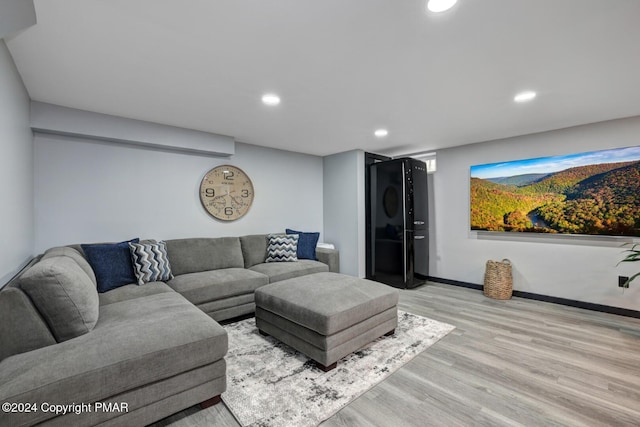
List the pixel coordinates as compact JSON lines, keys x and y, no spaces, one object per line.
{"x":16,"y":15}
{"x":341,"y":68}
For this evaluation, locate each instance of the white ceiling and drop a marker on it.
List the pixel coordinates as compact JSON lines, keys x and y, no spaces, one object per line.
{"x":342,"y":67}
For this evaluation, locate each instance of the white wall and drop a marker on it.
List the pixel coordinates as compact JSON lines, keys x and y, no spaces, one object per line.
{"x":344,"y":210}
{"x":16,"y":170}
{"x":566,"y":267}
{"x":87,"y":191}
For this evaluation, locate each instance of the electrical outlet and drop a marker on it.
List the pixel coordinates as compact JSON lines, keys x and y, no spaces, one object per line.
{"x":622,"y":282}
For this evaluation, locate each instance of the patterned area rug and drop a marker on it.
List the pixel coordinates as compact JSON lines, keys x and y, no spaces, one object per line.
{"x":271,"y":384}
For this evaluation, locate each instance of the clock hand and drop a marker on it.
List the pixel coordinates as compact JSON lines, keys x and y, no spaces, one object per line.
{"x":235,"y":199}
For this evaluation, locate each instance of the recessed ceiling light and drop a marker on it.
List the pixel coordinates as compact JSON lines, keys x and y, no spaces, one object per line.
{"x":270,"y":99}
{"x":525,"y":96}
{"x":381,"y":133}
{"x":437,"y":6}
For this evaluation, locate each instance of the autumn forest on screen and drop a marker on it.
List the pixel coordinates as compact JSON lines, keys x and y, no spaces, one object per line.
{"x":598,"y":199}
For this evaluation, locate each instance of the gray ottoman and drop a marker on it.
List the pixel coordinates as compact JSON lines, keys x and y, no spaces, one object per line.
{"x":326,"y":316}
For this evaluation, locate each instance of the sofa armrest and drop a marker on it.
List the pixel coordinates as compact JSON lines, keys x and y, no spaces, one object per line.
{"x":331,"y":257}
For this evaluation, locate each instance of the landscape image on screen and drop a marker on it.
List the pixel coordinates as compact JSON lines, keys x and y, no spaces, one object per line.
{"x":594,"y":193}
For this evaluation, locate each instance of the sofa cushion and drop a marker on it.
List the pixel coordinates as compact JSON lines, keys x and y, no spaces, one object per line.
{"x":307,"y":243}
{"x":111,"y":263}
{"x":21,"y":327}
{"x":133,"y":291}
{"x":150,"y":262}
{"x":202,"y":254}
{"x":286,"y":270}
{"x":74,"y":254}
{"x":282,"y":248}
{"x":134,"y":344}
{"x":213,"y":285}
{"x":64,"y":295}
{"x":254,"y":249}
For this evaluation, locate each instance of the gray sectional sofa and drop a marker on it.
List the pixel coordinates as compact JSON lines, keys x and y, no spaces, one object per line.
{"x":149,"y":350}
{"x":223,"y":285}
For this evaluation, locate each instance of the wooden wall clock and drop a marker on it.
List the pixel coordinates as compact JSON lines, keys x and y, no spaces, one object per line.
{"x":226,"y":192}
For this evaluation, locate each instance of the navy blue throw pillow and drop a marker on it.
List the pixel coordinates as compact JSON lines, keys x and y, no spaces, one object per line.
{"x":307,"y":243}
{"x":111,"y":262}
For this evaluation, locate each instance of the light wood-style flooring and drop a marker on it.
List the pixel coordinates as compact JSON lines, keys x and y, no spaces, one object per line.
{"x":507,"y":363}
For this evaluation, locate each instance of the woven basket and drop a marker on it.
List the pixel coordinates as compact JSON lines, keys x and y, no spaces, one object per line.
{"x":498,"y":282}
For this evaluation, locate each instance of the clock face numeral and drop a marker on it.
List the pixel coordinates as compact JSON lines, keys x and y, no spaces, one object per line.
{"x":226,"y":192}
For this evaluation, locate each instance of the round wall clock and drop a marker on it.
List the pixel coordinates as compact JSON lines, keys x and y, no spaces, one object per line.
{"x":226,"y":192}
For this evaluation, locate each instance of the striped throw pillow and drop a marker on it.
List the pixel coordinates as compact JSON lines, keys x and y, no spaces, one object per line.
{"x":150,"y":262}
{"x":282,"y":247}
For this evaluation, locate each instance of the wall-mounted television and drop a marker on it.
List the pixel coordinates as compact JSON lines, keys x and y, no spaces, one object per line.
{"x":592,"y":193}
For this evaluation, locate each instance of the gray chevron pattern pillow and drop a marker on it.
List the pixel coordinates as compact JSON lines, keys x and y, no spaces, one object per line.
{"x":150,"y":262}
{"x":282,"y":247}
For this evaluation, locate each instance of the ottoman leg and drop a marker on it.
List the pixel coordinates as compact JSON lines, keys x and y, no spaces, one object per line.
{"x":210,"y":402}
{"x":391,"y":332}
{"x":327,"y":368}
